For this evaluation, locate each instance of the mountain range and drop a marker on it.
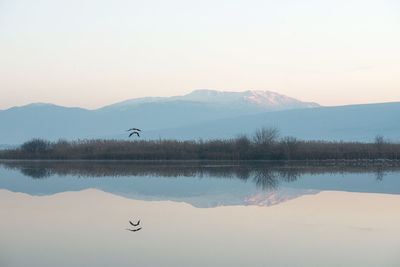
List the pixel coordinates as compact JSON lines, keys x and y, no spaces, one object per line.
{"x":205,"y":114}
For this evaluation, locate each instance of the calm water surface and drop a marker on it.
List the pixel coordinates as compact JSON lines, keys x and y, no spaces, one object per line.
{"x":198,"y":214}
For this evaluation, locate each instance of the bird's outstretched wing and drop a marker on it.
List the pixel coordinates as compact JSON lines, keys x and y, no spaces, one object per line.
{"x":132,"y":133}
{"x":134,"y":224}
{"x":134,"y":129}
{"x":134,"y":230}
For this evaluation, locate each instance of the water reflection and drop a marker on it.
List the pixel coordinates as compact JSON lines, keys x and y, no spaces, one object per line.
{"x":379,"y":173}
{"x":135,"y":228}
{"x":36,"y":172}
{"x":84,"y":229}
{"x":200,"y":183}
{"x":266,"y":175}
{"x":199,"y":214}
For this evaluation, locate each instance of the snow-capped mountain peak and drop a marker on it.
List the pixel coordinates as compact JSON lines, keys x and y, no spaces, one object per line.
{"x":257,"y":98}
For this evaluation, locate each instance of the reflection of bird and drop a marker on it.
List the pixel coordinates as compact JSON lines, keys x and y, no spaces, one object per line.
{"x":134,"y":230}
{"x":133,"y":224}
{"x":134,"y":129}
{"x":132,"y":133}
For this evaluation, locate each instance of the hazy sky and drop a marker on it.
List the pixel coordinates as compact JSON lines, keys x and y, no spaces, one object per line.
{"x":92,"y":53}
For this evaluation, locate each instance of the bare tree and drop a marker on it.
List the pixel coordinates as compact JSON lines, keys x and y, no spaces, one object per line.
{"x":36,"y":146}
{"x":265,"y":136}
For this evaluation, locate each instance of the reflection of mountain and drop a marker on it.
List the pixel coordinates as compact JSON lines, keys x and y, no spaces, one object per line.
{"x":201,"y":192}
{"x":238,"y":196}
{"x":199,"y":186}
{"x":277,"y":197}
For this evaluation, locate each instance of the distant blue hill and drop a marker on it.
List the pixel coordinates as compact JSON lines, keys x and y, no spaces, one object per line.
{"x":202,"y":114}
{"x":347,"y":123}
{"x":19,"y":124}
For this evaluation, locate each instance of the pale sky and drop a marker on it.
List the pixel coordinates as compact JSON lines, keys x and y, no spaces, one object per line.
{"x":93,"y":53}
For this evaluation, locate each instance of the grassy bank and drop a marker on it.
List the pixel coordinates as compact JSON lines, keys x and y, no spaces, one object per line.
{"x":264,"y":145}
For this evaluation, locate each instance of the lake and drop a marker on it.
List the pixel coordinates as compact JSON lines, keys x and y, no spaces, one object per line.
{"x":77,"y":213}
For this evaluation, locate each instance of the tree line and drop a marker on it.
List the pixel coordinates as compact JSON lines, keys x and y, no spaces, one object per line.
{"x":264,"y":144}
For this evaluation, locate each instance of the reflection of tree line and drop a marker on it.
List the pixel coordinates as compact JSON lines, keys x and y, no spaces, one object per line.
{"x":266,"y":175}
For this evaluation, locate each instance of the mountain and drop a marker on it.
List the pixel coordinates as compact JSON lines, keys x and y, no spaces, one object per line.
{"x":347,"y":123}
{"x":53,"y":122}
{"x":202,"y":114}
{"x":248,"y":101}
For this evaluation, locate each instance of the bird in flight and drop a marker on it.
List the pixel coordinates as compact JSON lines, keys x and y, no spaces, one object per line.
{"x":132,"y":133}
{"x":134,"y":230}
{"x":134,"y":224}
